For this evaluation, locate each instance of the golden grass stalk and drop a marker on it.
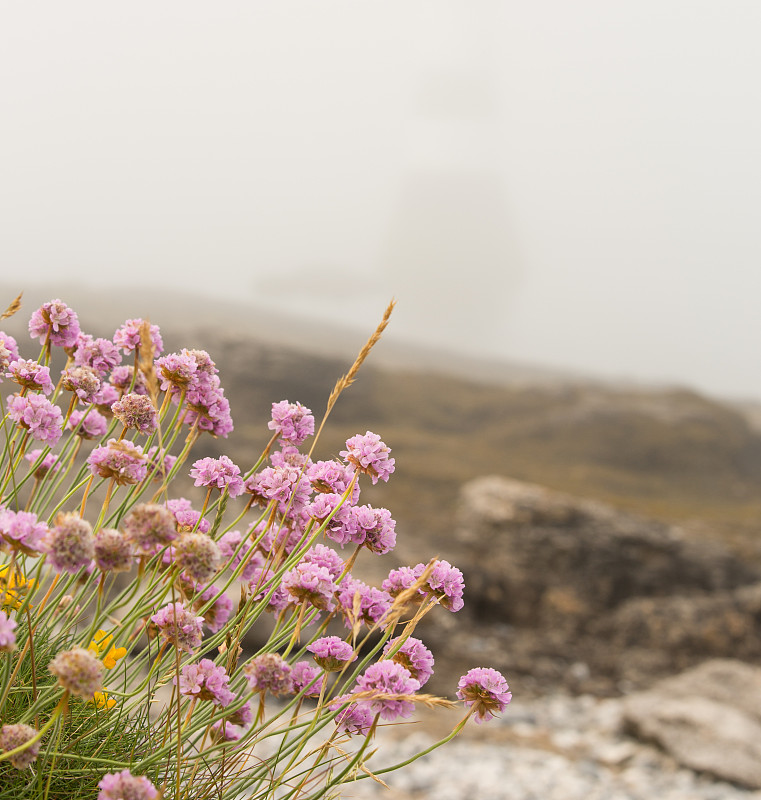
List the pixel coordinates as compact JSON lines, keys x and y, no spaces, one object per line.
{"x":12,"y":308}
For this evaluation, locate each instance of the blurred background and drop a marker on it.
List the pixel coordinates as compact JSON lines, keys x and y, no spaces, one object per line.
{"x":564,"y":200}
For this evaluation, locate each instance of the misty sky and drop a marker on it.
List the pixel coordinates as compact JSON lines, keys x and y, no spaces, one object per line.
{"x":576,"y":184}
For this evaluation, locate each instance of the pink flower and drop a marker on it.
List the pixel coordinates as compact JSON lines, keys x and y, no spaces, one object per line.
{"x":121,"y":460}
{"x":486,"y":690}
{"x":31,"y":375}
{"x":369,"y":455}
{"x":374,"y":603}
{"x":414,"y":656}
{"x":332,"y":653}
{"x":312,"y":584}
{"x":7,"y":636}
{"x":269,"y":672}
{"x":56,"y":319}
{"x":126,"y":786}
{"x":136,"y":411}
{"x":219,"y":473}
{"x":128,"y":337}
{"x":89,"y":425}
{"x":178,"y":626}
{"x":292,"y":421}
{"x":101,"y":355}
{"x":39,"y":416}
{"x":380,"y":685}
{"x":206,"y":681}
{"x":22,"y":530}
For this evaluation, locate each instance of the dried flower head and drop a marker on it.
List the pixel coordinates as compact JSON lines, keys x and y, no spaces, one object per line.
{"x":70,"y":545}
{"x":150,"y":526}
{"x":197,"y":555}
{"x":136,"y":411}
{"x":83,"y":381}
{"x":78,"y":671}
{"x":13,"y":736}
{"x":269,"y":672}
{"x":113,"y":552}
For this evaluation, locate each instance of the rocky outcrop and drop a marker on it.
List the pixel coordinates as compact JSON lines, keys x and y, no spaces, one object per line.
{"x":578,"y":592}
{"x":540,"y":557}
{"x":708,"y":719}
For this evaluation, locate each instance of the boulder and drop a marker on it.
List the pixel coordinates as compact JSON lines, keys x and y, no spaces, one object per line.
{"x":708,"y":719}
{"x":534,"y":557}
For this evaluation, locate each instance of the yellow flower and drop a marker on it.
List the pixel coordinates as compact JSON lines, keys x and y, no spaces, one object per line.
{"x":100,"y":644}
{"x":13,"y":587}
{"x":102,"y":700}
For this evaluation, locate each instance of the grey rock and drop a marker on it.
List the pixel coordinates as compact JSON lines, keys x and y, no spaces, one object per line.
{"x":708,"y":719}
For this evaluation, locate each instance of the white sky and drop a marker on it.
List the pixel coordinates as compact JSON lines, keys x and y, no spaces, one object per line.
{"x":576,"y":184}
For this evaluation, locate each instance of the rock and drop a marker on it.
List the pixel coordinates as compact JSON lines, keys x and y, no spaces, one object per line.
{"x":538,"y":557}
{"x":708,"y":719}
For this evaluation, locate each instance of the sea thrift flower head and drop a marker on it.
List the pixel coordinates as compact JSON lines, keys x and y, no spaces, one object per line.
{"x":324,"y":556}
{"x":446,"y":583}
{"x":136,"y":411}
{"x":197,"y":555}
{"x":380,"y":535}
{"x":217,"y":614}
{"x":100,"y":355}
{"x":7,"y":636}
{"x":203,"y":360}
{"x":219,"y":473}
{"x":402,"y":579}
{"x":78,"y":671}
{"x":70,"y":544}
{"x":332,"y":653}
{"x":269,"y":672}
{"x":127,"y":337}
{"x":9,"y":345}
{"x":113,"y":552}
{"x":289,"y":456}
{"x":177,"y":370}
{"x":486,"y":690}
{"x":22,"y":531}
{"x":207,"y":407}
{"x":178,"y":626}
{"x":102,"y":648}
{"x":292,"y":421}
{"x":83,"y":381}
{"x":341,"y":527}
{"x":31,"y":375}
{"x":306,"y":678}
{"x":122,"y":460}
{"x":363,"y":603}
{"x":356,"y":718}
{"x":13,"y":736}
{"x":88,"y":424}
{"x":150,"y":526}
{"x":414,"y":656}
{"x":49,"y":462}
{"x":56,"y":322}
{"x":388,"y":678}
{"x":122,"y":379}
{"x":186,"y":518}
{"x":205,"y":681}
{"x":283,"y":484}
{"x":126,"y":786}
{"x":312,"y":584}
{"x":39,"y":416}
{"x":369,"y":454}
{"x":332,"y":477}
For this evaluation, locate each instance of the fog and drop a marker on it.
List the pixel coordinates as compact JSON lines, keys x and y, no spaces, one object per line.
{"x":575,"y":185}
